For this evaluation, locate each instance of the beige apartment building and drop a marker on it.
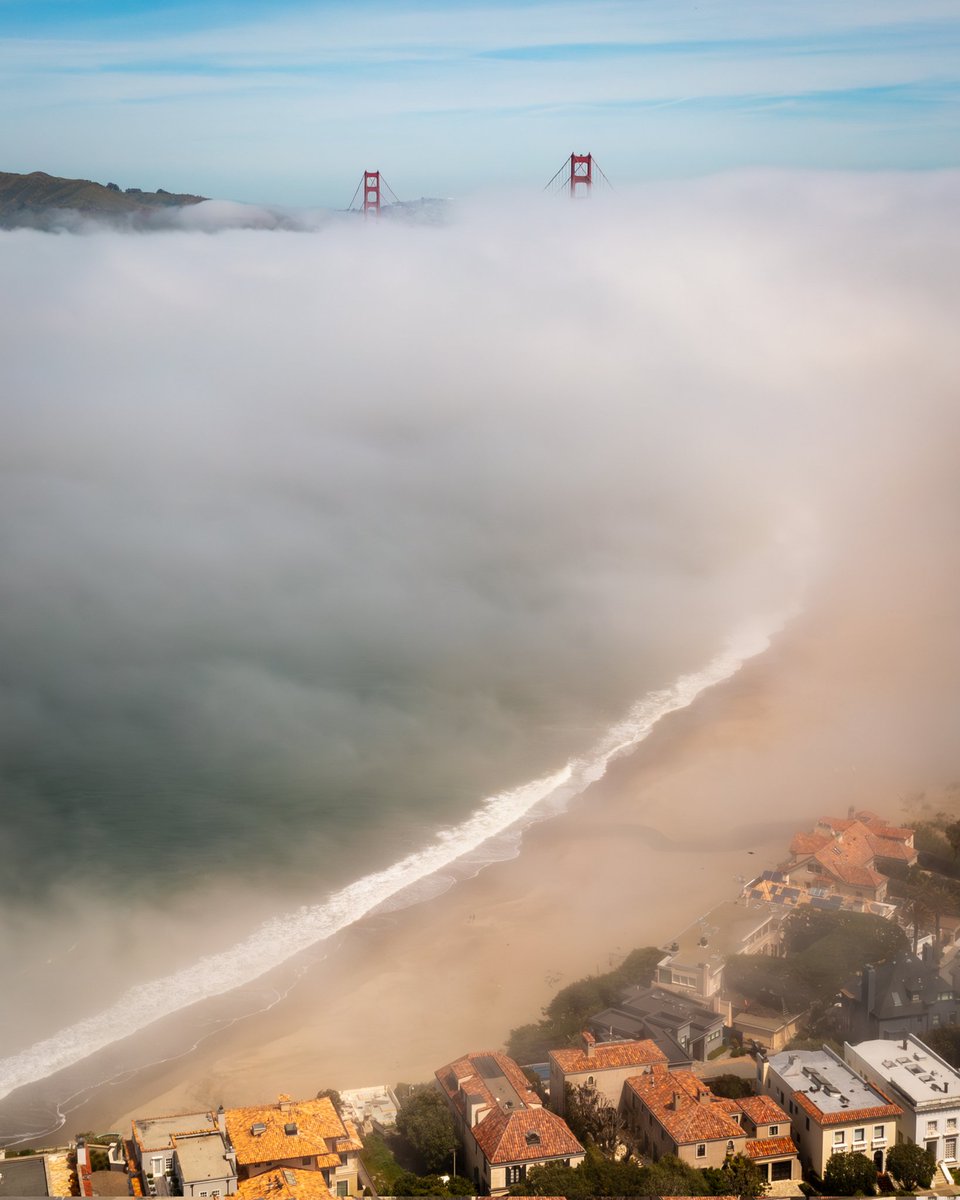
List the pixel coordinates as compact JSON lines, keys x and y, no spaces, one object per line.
{"x":832,"y":1110}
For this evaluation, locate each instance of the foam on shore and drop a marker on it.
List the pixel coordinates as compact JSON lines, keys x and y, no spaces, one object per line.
{"x":491,"y":833}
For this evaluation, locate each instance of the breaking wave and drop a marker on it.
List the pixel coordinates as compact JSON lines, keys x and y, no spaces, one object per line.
{"x":490,"y":834}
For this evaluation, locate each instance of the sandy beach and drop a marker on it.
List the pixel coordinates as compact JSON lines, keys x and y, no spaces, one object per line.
{"x":820,"y":722}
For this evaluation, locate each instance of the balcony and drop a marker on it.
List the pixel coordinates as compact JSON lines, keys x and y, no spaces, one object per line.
{"x":878,"y":1142}
{"x":858,"y":1145}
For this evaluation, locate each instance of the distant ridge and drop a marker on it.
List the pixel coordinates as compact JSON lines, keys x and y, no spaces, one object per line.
{"x":36,"y":199}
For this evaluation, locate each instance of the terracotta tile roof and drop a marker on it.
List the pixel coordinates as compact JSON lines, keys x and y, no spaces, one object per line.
{"x":463,"y":1077}
{"x":525,"y":1135}
{"x":770,"y":1147}
{"x":870,"y":821}
{"x":352,"y":1141}
{"x":284,"y":1183}
{"x":685,"y":1107}
{"x":762,"y":1110}
{"x":846,"y":1116}
{"x":808,"y":843}
{"x":608,"y":1056}
{"x":314,"y":1132}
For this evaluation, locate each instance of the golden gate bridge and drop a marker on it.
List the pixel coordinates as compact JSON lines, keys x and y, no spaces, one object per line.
{"x":576,"y":177}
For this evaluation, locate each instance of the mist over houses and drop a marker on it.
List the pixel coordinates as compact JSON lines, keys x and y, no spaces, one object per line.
{"x":727,"y":1060}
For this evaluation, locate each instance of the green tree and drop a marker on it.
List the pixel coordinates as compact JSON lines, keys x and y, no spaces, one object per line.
{"x":849,"y":1175}
{"x":945,"y":1041}
{"x":739,"y":1176}
{"x":333,"y":1096}
{"x":567,"y":1013}
{"x":590,"y":1117}
{"x":733,"y":1087}
{"x":912,"y":1165}
{"x":554,"y":1179}
{"x":425,"y":1124}
{"x":668,"y":1176}
{"x":408,"y":1184}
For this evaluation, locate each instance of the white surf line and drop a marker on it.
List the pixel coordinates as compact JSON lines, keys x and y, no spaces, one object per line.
{"x":280,"y":938}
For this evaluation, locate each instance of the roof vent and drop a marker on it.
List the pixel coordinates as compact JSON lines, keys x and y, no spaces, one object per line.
{"x":533,"y":1139}
{"x":290,"y":1129}
{"x":259,"y":1129}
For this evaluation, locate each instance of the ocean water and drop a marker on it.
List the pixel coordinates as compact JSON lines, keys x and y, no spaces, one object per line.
{"x":332,"y":558}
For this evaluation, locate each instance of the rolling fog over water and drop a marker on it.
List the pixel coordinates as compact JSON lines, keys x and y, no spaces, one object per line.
{"x":313,"y":540}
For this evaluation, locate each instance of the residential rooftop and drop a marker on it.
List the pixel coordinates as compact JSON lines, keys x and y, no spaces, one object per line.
{"x":604,"y":1056}
{"x":284,"y":1183}
{"x":290,"y":1129}
{"x":685,"y":1107}
{"x":912,"y":1068}
{"x":525,"y":1135}
{"x":829,"y":1090}
{"x":726,"y":929}
{"x":203,"y":1156}
{"x":489,"y":1076}
{"x":157,"y":1133}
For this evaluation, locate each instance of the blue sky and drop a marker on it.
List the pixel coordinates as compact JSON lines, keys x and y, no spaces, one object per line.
{"x":289,"y":102}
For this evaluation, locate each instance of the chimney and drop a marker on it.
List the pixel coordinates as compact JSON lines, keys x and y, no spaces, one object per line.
{"x":903,"y":1044}
{"x":676,"y":1101}
{"x":283,"y":1102}
{"x":704,"y":1096}
{"x":589,"y":1042}
{"x":221,"y":1120}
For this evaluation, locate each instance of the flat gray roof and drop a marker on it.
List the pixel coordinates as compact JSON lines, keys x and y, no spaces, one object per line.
{"x":157,"y":1133}
{"x":203,"y":1157}
{"x":23,"y":1176}
{"x":500,"y":1086}
{"x":918,"y":1073}
{"x":826,"y":1080}
{"x":725,"y":929}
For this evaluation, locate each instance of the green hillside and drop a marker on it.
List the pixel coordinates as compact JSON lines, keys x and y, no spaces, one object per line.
{"x":28,"y":199}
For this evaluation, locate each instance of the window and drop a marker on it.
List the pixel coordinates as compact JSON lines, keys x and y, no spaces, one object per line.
{"x":808,"y":1123}
{"x":515,"y":1174}
{"x":934,"y":1019}
{"x":951,"y":1123}
{"x":839,"y":1137}
{"x":590,"y":1080}
{"x":878,"y":1131}
{"x":931,"y":1127}
{"x":307,"y":1161}
{"x":729,"y":1147}
{"x":859,"y":1135}
{"x":343,"y":1187}
{"x":701,"y":1150}
{"x":774,"y":1130}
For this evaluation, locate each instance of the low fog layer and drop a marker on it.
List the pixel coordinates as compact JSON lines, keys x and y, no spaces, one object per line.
{"x":313,"y":539}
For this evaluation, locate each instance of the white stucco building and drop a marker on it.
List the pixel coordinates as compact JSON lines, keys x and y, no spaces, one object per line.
{"x":925,"y":1087}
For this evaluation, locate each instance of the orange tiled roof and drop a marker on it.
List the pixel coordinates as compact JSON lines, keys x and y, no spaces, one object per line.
{"x":802,"y":844}
{"x":316,"y":1131}
{"x":463,"y":1072}
{"x":352,"y":1141}
{"x":770,"y":1147}
{"x":846,"y":1115}
{"x":284,"y":1183}
{"x":608,"y":1055}
{"x":763,"y":1111}
{"x":525,"y":1135}
{"x":685,"y":1107}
